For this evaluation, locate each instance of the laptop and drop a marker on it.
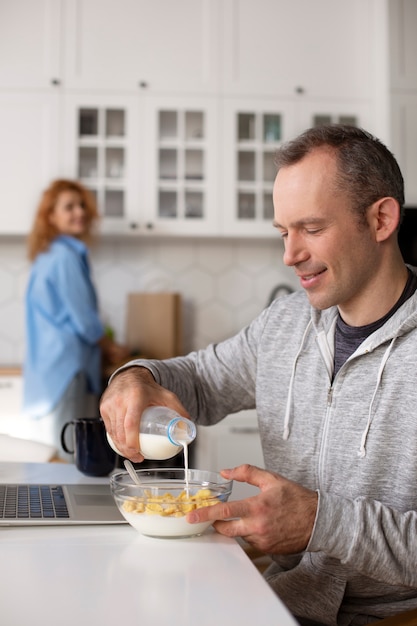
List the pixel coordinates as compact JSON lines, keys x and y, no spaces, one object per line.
{"x":57,"y":504}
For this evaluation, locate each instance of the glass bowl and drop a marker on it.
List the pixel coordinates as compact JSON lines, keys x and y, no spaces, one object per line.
{"x":158,"y":507}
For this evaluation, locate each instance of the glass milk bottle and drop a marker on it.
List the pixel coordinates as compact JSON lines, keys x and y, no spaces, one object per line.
{"x":162,"y":433}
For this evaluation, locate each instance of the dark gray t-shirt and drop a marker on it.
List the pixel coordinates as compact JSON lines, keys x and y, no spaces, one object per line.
{"x":348,"y":338}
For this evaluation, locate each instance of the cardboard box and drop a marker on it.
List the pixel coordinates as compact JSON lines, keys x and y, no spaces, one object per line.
{"x":154,"y":324}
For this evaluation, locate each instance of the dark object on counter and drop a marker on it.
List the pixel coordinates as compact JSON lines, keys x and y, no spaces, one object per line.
{"x":407,"y":236}
{"x":92,"y":454}
{"x":278,"y":291}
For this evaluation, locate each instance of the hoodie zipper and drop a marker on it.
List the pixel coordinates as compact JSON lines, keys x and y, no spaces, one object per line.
{"x":324,"y":436}
{"x":330,"y":396}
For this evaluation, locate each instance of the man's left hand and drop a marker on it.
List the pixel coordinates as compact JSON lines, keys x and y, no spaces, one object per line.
{"x":278,"y":520}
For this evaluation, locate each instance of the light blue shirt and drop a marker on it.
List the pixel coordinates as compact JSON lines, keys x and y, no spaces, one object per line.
{"x":62,"y":326}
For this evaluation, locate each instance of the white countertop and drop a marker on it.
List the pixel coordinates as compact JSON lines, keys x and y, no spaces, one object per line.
{"x":111,"y":575}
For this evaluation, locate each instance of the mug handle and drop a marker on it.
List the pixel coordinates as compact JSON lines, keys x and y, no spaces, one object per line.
{"x":63,"y":444}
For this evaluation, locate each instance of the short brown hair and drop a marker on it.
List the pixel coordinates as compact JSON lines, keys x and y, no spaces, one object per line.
{"x":43,"y":232}
{"x":367,"y":170}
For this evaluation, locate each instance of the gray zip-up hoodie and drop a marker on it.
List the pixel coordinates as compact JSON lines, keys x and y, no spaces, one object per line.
{"x":354,"y":440}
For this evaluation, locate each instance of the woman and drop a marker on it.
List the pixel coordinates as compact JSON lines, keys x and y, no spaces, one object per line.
{"x":65,"y":337}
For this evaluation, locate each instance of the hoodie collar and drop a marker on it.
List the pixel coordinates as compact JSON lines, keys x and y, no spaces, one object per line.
{"x":323,"y":324}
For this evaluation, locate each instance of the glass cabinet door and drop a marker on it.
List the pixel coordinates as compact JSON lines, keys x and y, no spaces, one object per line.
{"x":256,"y":136}
{"x":151,"y":162}
{"x":184,"y":172}
{"x":252,"y":135}
{"x":101,"y":156}
{"x":102,"y":139}
{"x":315,"y":113}
{"x":181,"y":139}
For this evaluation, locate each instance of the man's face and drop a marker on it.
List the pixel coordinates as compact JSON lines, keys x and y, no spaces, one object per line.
{"x":334,"y":257}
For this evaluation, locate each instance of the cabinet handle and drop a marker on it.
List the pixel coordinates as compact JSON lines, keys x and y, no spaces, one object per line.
{"x":244,"y":430}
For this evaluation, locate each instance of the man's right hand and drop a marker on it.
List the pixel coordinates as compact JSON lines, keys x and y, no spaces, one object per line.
{"x":130,"y":392}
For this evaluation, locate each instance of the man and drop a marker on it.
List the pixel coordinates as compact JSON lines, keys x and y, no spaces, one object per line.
{"x":331,"y":370}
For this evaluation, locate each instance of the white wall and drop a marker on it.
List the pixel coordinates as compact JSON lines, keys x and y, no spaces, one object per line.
{"x":224,"y":284}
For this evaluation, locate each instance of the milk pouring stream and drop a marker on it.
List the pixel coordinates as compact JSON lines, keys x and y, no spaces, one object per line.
{"x":162,"y":433}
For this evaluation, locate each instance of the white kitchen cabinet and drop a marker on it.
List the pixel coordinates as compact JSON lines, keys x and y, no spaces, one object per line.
{"x":233,"y":441}
{"x":182,"y":165}
{"x":404,"y":132}
{"x":403,"y":83}
{"x":322,"y":49}
{"x":349,"y":111}
{"x":15,"y":431}
{"x":30,"y":77}
{"x":11,"y":389}
{"x":166,"y":47}
{"x":253,"y":130}
{"x":30,"y":50}
{"x":201,"y":67}
{"x":29,"y":155}
{"x":11,"y":394}
{"x":151,"y":162}
{"x":103,"y":137}
{"x":403,"y":22}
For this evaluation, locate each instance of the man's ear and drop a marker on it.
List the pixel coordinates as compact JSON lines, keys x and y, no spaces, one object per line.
{"x":384,"y":216}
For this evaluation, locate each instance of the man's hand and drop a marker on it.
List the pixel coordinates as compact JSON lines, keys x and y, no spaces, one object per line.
{"x":278,"y":520}
{"x":130,"y":392}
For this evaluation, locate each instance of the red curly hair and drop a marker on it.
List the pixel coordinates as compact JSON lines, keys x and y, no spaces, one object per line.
{"x":43,"y":232}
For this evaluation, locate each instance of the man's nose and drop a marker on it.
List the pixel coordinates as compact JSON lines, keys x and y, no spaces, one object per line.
{"x":294,"y":250}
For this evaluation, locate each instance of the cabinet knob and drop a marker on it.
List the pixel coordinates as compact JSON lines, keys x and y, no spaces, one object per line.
{"x":133,"y":225}
{"x":300,"y":90}
{"x":149,"y":225}
{"x":55,"y":82}
{"x":143,"y":84}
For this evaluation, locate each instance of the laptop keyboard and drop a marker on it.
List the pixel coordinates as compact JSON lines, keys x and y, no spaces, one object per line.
{"x":32,"y":502}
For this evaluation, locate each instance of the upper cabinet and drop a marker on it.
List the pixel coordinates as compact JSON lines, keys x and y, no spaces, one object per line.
{"x":403,"y":83}
{"x":181,"y":165}
{"x":252,"y":131}
{"x":166,"y":47}
{"x":150,"y":162}
{"x":404,"y":121}
{"x":30,"y":123}
{"x":316,"y":49}
{"x":403,"y":22}
{"x":29,"y":151}
{"x":101,"y":149}
{"x":30,"y":46}
{"x":171,"y":111}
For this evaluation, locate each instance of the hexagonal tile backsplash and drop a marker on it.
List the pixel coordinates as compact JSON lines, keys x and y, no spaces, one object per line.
{"x":224,"y":283}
